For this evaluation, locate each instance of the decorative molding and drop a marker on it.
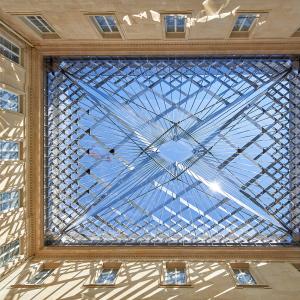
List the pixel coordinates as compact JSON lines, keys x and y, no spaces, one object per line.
{"x":35,"y":146}
{"x":172,"y":48}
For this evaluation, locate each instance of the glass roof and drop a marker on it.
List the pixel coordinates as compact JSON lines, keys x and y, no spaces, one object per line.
{"x":170,"y":151}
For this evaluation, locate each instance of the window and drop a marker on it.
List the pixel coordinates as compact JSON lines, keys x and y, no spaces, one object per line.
{"x":107,"y":26}
{"x":8,"y":252}
{"x":9,"y":200}
{"x":107,"y":23}
{"x":244,"y":22}
{"x":40,"y":276}
{"x":107,"y":276}
{"x":39,"y":23}
{"x":9,"y":50}
{"x":243,"y":277}
{"x":175,"y":23}
{"x":9,"y":150}
{"x":9,"y":101}
{"x":175,"y":273}
{"x":175,"y":276}
{"x":244,"y":25}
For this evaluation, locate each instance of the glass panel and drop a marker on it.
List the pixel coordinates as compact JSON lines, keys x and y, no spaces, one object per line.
{"x":9,"y":150}
{"x":107,"y":276}
{"x":244,"y":277}
{"x":9,"y":200}
{"x":107,"y":23}
{"x":170,"y":23}
{"x":175,"y":276}
{"x":170,"y":150}
{"x":244,"y":22}
{"x":8,"y":252}
{"x":180,"y":26}
{"x":39,"y":23}
{"x":9,"y":50}
{"x":8,"y":101}
{"x":40,"y":277}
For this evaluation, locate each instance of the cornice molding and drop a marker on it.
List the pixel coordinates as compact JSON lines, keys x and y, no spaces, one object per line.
{"x":35,"y":165}
{"x":184,"y":252}
{"x":172,"y":48}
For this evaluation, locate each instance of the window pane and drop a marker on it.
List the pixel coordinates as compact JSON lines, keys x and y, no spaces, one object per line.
{"x":9,"y":150}
{"x":40,"y":277}
{"x":170,"y":23}
{"x":175,"y":276}
{"x":244,"y":22}
{"x":8,"y":252}
{"x":40,"y":24}
{"x":9,"y":50}
{"x":244,"y":277}
{"x":107,"y":276}
{"x":8,"y":101}
{"x":107,"y":23}
{"x":180,"y":24}
{"x":9,"y":200}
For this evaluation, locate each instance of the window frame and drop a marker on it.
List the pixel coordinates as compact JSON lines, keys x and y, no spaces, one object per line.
{"x":259,"y":281}
{"x":33,"y":270}
{"x":18,"y":205}
{"x":106,"y":35}
{"x":175,"y":35}
{"x":247,"y":34}
{"x":174,"y":265}
{"x":19,"y":151}
{"x":45,"y":35}
{"x":96,"y":270}
{"x":4,"y":262}
{"x":9,"y":40}
{"x":18,"y":101}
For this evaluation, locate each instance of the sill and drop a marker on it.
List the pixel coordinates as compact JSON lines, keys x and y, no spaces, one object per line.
{"x":98,"y":285}
{"x":240,"y":34}
{"x":28,"y":286}
{"x":241,"y":286}
{"x":12,"y":112}
{"x":186,"y":285}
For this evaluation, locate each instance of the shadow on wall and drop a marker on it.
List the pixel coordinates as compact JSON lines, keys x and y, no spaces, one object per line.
{"x":11,"y":125}
{"x":211,"y":9}
{"x":137,"y":280}
{"x":11,"y":175}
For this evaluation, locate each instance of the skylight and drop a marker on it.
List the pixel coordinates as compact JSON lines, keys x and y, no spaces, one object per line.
{"x":171,"y":151}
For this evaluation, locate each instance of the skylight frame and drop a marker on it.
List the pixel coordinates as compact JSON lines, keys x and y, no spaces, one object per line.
{"x":126,"y":242}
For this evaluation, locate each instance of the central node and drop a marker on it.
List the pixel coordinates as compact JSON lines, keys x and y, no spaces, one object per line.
{"x":176,"y":150}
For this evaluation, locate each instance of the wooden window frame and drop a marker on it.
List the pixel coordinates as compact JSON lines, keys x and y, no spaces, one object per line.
{"x":96,"y":271}
{"x":174,"y":264}
{"x":260,"y":282}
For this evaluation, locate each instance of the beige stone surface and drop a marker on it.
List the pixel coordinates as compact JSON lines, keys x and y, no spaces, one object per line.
{"x":142,"y":20}
{"x":12,"y":75}
{"x":11,"y":125}
{"x":11,"y":175}
{"x":141,"y":280}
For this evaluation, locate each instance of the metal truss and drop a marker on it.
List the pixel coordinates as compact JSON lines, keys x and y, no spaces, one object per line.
{"x":191,"y":151}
